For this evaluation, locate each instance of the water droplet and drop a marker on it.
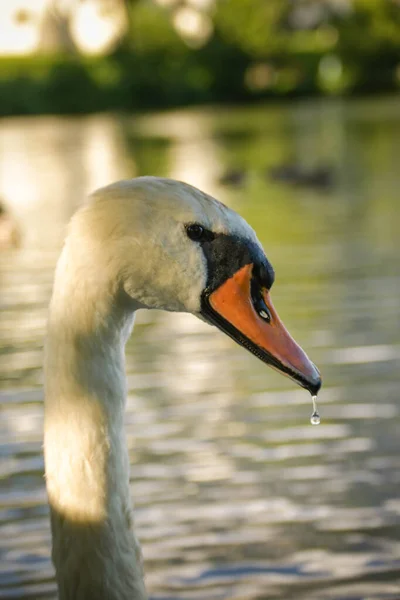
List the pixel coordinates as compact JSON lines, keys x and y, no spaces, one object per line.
{"x":315,"y":418}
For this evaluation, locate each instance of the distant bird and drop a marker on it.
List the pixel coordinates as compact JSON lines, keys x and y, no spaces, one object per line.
{"x":144,"y":243}
{"x":10,"y":236}
{"x":233,"y":178}
{"x":319,"y":177}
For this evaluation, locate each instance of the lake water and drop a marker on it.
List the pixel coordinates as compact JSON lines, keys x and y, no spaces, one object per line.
{"x":236,"y":495}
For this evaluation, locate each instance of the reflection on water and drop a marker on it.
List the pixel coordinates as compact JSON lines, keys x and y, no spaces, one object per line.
{"x":237,"y":496}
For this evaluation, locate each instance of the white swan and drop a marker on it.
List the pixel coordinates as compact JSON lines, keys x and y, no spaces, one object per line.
{"x":10,"y":235}
{"x":144,"y":243}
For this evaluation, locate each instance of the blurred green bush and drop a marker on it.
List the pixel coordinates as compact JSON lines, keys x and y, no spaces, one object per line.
{"x":257,"y":49}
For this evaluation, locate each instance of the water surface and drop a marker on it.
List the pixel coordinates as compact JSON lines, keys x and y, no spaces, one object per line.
{"x":236,"y":495}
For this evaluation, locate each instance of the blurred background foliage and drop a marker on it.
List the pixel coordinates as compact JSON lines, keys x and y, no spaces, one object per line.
{"x":78,"y":56}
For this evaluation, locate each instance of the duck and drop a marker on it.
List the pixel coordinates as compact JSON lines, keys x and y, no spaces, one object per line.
{"x":234,"y":178}
{"x":321,"y":177}
{"x":144,"y":243}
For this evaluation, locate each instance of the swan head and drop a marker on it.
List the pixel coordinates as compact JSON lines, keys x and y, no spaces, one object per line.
{"x":165,"y":244}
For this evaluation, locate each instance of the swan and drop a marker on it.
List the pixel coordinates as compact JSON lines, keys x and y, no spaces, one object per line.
{"x":9,"y":232}
{"x":141,"y":243}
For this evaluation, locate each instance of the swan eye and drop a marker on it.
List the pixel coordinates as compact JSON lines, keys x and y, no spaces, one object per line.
{"x":195,"y":232}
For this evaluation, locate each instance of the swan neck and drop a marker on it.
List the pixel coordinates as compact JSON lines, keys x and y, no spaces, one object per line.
{"x":95,"y":552}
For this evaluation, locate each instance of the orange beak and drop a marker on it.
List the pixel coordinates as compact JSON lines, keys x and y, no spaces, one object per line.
{"x":257,"y":327}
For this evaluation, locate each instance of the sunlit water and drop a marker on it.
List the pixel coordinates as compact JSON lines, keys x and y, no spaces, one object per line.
{"x":236,"y":495}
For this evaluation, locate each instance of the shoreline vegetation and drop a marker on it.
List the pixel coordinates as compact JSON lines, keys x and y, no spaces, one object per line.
{"x":252,"y":54}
